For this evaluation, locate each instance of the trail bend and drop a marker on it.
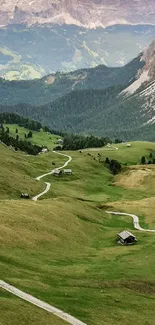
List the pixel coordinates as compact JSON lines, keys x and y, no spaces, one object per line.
{"x":48,"y":185}
{"x":135,"y":220}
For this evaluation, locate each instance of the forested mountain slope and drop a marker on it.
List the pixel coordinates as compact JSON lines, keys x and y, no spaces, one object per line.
{"x":48,"y":89}
{"x":98,"y":112}
{"x":113,"y":102}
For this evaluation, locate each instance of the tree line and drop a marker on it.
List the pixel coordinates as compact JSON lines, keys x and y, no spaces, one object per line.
{"x":76,"y":142}
{"x":149,"y":161}
{"x":27,"y":123}
{"x":114,"y":166}
{"x":22,"y":145}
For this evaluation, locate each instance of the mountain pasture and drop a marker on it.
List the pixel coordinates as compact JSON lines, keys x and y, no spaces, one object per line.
{"x":62,"y":249}
{"x":27,"y":314}
{"x":40,"y":138}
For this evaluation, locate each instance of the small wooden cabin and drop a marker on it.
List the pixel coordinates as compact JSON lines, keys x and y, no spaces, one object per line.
{"x":57,"y":172}
{"x":25,"y":196}
{"x":126,"y":238}
{"x":59,"y":141}
{"x":67,"y":172}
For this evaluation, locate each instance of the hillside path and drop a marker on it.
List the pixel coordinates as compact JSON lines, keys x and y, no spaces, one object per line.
{"x":41,"y":304}
{"x":135,"y":220}
{"x":48,"y":185}
{"x":103,"y":149}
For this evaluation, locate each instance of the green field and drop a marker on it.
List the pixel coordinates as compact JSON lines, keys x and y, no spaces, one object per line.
{"x":18,"y":172}
{"x":125,"y":155}
{"x":40,"y":138}
{"x":27,"y":314}
{"x":62,"y":249}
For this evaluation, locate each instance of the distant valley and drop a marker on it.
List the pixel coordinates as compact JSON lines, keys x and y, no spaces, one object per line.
{"x":29,"y":52}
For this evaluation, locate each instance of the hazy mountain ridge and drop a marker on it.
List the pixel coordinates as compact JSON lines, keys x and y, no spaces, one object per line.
{"x":33,"y":52}
{"x":53,"y":86}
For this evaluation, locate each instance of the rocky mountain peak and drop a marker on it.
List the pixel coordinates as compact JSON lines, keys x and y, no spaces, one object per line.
{"x":149,"y":58}
{"x":87,"y":13}
{"x":146,"y":74}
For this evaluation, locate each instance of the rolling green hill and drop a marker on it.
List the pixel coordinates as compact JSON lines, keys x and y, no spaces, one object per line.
{"x":62,"y":249}
{"x":18,"y":171}
{"x":40,"y":138}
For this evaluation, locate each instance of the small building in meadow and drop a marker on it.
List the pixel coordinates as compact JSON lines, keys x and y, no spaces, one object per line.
{"x":59,"y":141}
{"x":25,"y":196}
{"x":44,"y":150}
{"x":68,"y":172}
{"x":126,"y":238}
{"x":57,"y":172}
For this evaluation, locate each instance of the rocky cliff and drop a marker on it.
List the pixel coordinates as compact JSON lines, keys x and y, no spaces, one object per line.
{"x":89,"y":13}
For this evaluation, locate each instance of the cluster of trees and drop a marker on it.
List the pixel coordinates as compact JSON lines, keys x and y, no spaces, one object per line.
{"x":11,"y":118}
{"x":22,"y":145}
{"x":27,"y":136}
{"x":47,"y":129}
{"x":114,"y":166}
{"x":149,"y":161}
{"x":117,"y":141}
{"x":76,"y":142}
{"x":27,"y":123}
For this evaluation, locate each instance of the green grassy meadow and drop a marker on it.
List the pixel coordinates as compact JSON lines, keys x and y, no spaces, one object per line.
{"x":63,"y":250}
{"x":27,"y":314}
{"x":125,"y":155}
{"x":18,"y":172}
{"x":39,"y":138}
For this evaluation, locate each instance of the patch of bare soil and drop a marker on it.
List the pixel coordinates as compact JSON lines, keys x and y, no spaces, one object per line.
{"x":133,"y":177}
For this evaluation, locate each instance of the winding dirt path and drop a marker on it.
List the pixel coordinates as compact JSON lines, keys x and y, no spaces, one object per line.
{"x":25,"y":296}
{"x":135,"y":220}
{"x":48,"y":185}
{"x":41,"y":304}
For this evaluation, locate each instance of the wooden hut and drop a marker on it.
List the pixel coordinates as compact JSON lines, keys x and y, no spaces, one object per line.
{"x":57,"y":172}
{"x":67,"y":172}
{"x":126,"y":238}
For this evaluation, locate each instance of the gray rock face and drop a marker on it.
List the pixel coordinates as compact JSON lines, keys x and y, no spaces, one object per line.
{"x":89,"y":13}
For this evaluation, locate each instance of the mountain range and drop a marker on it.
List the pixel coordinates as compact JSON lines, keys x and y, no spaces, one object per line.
{"x":86,"y":13}
{"x":116,"y":102}
{"x":39,"y":37}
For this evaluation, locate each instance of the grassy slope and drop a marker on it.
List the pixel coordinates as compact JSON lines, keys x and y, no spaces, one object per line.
{"x":127,"y":155}
{"x":27,"y":314}
{"x":64,"y":252}
{"x":40,"y":138}
{"x":18,"y":171}
{"x":92,"y":181}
